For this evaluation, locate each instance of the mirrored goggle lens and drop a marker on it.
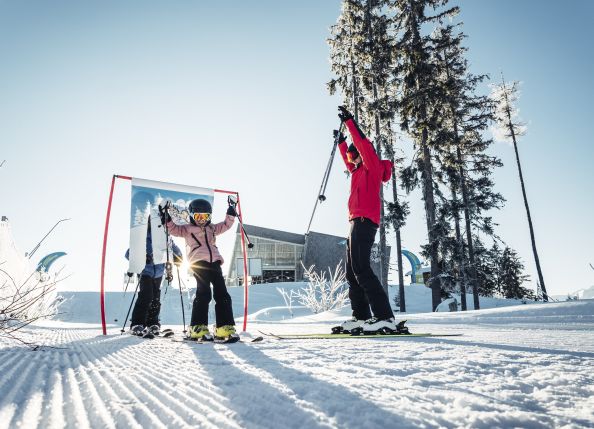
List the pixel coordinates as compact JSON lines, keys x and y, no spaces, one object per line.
{"x":201,"y":217}
{"x":352,"y":155}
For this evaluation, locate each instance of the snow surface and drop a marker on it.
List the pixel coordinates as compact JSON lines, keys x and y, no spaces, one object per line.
{"x":515,"y":366}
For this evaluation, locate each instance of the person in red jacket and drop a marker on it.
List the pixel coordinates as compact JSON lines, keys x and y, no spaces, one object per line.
{"x":366,"y":293}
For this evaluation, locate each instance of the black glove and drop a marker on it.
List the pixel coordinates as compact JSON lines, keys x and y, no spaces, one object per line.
{"x":344,"y":114}
{"x":164,"y":214}
{"x":341,"y":136}
{"x":231,"y":211}
{"x":129,"y":274}
{"x":177,"y":260}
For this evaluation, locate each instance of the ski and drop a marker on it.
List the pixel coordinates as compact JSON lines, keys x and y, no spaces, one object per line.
{"x":166,"y":333}
{"x":227,"y":340}
{"x":217,"y":340}
{"x":322,"y":336}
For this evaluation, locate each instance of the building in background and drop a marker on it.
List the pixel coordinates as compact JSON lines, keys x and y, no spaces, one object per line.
{"x":277,"y":256}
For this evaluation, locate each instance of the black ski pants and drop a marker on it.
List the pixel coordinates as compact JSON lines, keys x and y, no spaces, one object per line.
{"x":148,"y":304}
{"x":206,"y":273}
{"x":365,"y":289}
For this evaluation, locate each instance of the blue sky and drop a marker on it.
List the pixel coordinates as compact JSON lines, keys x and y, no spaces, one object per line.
{"x":232,"y":96}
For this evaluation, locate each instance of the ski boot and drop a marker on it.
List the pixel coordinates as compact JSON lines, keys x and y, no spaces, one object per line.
{"x":155,"y":330}
{"x":147,"y":333}
{"x":200,"y":333}
{"x":376,"y":326}
{"x":226,"y":334}
{"x":137,"y":330}
{"x":348,"y":325}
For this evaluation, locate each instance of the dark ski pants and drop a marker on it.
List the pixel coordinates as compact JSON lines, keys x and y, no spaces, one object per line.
{"x":206,"y":273}
{"x":365,"y":289}
{"x":148,"y":304}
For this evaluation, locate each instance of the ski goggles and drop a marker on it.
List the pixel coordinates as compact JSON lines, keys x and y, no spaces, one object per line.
{"x":201,"y":217}
{"x":352,"y":155}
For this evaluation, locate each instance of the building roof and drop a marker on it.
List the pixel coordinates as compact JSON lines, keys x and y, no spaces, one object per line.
{"x":273,"y":234}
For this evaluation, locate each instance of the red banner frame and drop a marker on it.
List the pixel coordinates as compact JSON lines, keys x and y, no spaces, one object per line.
{"x":106,"y":231}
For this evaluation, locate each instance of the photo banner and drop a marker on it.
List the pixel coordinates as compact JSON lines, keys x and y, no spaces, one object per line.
{"x":145,"y":200}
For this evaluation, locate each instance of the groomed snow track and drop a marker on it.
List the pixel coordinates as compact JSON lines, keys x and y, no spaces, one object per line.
{"x":79,"y":379}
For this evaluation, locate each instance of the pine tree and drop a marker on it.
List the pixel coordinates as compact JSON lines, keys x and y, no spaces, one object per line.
{"x":418,"y":94}
{"x":511,"y":275}
{"x":466,"y":116}
{"x":347,"y":38}
{"x":505,"y":96}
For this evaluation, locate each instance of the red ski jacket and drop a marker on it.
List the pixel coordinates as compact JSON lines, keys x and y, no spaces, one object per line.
{"x":366,"y":178}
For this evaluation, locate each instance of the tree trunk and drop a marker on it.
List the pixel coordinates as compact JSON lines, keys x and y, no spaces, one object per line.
{"x":355,"y":98}
{"x":428,"y":197}
{"x":460,"y":254}
{"x":402,"y":299}
{"x":545,"y":296}
{"x":472,"y":268}
{"x":384,"y":262}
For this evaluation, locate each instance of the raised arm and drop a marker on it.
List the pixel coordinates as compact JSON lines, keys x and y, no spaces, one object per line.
{"x":221,"y":227}
{"x":342,"y":147}
{"x":175,"y":230}
{"x":370,"y":159}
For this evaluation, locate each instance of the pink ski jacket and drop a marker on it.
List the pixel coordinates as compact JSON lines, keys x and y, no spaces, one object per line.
{"x":201,"y":244}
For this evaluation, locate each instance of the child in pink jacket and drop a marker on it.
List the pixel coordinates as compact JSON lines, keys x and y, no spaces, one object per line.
{"x":205,"y":261}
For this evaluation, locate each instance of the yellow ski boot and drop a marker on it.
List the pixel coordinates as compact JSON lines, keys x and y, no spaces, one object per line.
{"x":200,"y":333}
{"x":226,"y":334}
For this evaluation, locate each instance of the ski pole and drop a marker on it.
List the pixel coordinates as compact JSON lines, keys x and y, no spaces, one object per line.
{"x":130,"y":308}
{"x":181,"y":298}
{"x":250,"y":244}
{"x":124,"y":295}
{"x":321,"y":197}
{"x":233,"y":201}
{"x":187,"y":289}
{"x":168,"y":266}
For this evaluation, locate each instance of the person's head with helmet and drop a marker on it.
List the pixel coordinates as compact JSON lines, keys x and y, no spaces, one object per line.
{"x":353,"y":155}
{"x":200,"y":212}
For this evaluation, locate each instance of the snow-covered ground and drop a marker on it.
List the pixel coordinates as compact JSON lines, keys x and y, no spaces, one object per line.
{"x":514,"y":366}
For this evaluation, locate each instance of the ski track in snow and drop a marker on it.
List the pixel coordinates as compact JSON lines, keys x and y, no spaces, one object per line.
{"x":493,"y":376}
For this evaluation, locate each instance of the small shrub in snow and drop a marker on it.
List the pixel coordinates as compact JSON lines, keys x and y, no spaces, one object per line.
{"x":288,"y":298}
{"x":321,"y":294}
{"x":22,"y":304}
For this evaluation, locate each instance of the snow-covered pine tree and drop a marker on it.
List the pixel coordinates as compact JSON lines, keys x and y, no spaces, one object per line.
{"x":347,"y":36}
{"x":505,"y":96}
{"x":464,"y":120}
{"x":418,"y":96}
